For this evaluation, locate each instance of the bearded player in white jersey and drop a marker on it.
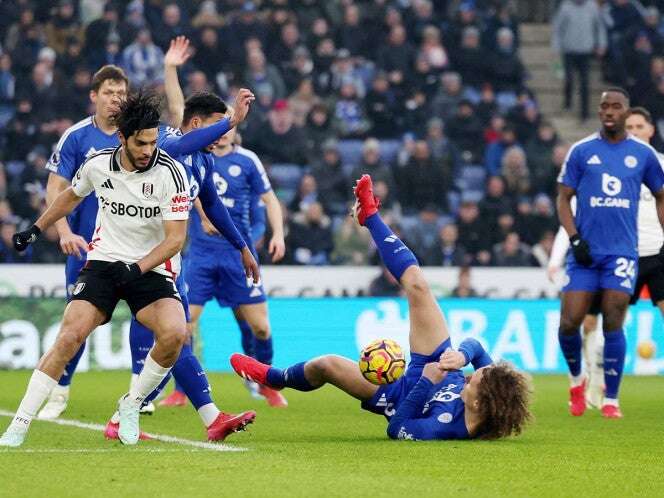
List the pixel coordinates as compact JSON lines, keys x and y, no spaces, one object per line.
{"x":134,"y":255}
{"x":639,"y":123}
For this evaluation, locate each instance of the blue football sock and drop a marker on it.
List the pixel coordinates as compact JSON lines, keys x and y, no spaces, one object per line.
{"x":571,"y":348}
{"x":263,"y":350}
{"x":394,"y":253}
{"x":70,"y":367}
{"x":247,"y":338}
{"x":141,"y":340}
{"x":614,"y":361}
{"x":292,"y":377}
{"x":190,"y":377}
{"x":158,"y":389}
{"x":178,"y":386}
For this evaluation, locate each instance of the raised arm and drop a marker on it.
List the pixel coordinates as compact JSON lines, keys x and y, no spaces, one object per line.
{"x":177,"y":55}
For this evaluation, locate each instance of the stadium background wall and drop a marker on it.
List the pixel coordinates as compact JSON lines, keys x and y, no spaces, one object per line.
{"x":522,"y":331}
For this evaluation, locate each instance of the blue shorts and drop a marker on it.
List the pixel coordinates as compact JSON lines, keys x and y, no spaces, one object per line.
{"x":220,"y":275}
{"x":607,"y":272}
{"x":73,"y":267}
{"x":387,"y":398}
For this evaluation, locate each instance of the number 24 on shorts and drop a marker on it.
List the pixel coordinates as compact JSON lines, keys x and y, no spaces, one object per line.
{"x":625,"y":268}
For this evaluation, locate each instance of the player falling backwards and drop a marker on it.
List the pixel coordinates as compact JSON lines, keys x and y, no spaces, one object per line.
{"x":605,"y":172}
{"x":200,"y":112}
{"x":213,"y":268}
{"x":650,"y":266}
{"x":80,"y":141}
{"x":432,"y":400}
{"x":141,"y":226}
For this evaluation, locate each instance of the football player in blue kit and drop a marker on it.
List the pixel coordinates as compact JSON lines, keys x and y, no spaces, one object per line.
{"x":605,"y":172}
{"x":202,"y":112}
{"x":239,"y":177}
{"x":433,"y":399}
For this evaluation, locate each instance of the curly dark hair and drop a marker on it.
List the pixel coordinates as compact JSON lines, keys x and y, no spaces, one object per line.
{"x":202,"y":104}
{"x":139,"y":112}
{"x":504,"y":399}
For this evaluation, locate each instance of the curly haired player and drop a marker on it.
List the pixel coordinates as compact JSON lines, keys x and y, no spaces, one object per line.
{"x":433,"y":400}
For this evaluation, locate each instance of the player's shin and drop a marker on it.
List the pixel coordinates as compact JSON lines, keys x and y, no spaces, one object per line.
{"x":247,"y":338}
{"x":148,"y":380}
{"x":570,"y":344}
{"x":39,"y":388}
{"x":190,"y":376}
{"x":614,"y":361}
{"x":395,"y":254}
{"x":293,"y":377}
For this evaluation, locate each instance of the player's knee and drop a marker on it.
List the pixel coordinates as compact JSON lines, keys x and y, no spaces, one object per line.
{"x":173,"y":337}
{"x":414,"y":282}
{"x":70,"y":340}
{"x":569,"y":324}
{"x":261,"y":330}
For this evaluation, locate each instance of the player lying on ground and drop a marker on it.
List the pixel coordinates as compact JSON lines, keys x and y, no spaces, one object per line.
{"x":605,"y":173}
{"x":201,"y":111}
{"x":432,"y":400}
{"x":143,"y":198}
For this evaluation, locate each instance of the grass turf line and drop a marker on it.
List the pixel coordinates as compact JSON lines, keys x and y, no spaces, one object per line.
{"x":324,"y":445}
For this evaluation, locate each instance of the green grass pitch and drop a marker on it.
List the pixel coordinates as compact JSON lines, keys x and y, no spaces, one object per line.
{"x":324,"y":445}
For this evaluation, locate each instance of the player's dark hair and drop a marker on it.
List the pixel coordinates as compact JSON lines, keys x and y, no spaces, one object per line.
{"x":504,"y":399}
{"x":108,"y":72}
{"x":203,"y":105}
{"x":617,"y":89}
{"x":641,"y":111}
{"x":139,"y":112}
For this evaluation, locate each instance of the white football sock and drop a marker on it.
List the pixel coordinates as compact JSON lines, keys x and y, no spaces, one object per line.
{"x":39,"y":388}
{"x":132,"y":381}
{"x":610,"y":401}
{"x":208,"y":413}
{"x":577,"y":380}
{"x":148,"y":380}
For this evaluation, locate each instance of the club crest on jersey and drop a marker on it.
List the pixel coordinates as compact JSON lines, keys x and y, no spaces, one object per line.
{"x":148,"y":188}
{"x":631,"y":162}
{"x":234,"y":170}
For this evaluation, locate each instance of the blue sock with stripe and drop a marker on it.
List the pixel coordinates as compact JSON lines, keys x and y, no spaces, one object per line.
{"x":292,"y":377}
{"x":571,"y":348}
{"x":615,"y":346}
{"x":70,"y":367}
{"x":395,"y":254}
{"x":247,"y":338}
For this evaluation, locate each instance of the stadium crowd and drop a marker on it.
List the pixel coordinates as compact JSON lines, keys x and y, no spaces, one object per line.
{"x":429,"y":97}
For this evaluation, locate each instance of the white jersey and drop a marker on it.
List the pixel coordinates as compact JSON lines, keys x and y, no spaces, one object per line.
{"x":133,"y":206}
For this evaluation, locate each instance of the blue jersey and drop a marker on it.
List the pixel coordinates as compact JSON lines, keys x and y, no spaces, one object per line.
{"x":607,"y":178}
{"x":239,"y":177}
{"x":75,"y":146}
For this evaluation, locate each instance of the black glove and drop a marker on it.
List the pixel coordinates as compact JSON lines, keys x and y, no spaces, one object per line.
{"x":23,"y":239}
{"x":581,"y":250}
{"x":123,"y":273}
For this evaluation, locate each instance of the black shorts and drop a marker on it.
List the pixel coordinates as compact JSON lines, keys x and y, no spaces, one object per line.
{"x":596,"y":305}
{"x":651,"y":273}
{"x":95,"y":287}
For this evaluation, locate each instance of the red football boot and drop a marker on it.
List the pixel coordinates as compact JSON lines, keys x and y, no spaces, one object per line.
{"x":611,"y":411}
{"x":577,"y":400}
{"x":176,"y":398}
{"x":111,"y":432}
{"x":249,"y":368}
{"x":227,"y":423}
{"x":367,"y":203}
{"x":273,"y":397}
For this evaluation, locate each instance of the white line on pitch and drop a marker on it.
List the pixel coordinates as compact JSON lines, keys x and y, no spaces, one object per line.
{"x":157,"y":437}
{"x":100,"y":450}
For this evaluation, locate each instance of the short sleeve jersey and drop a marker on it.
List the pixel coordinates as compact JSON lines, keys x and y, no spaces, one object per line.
{"x":79,"y":142}
{"x":607,"y":178}
{"x":133,"y":206}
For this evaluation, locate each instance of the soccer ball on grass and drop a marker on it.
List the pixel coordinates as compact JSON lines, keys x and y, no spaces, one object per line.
{"x":382,"y":362}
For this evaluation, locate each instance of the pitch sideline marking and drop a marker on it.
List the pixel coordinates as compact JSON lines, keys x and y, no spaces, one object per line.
{"x":164,"y":438}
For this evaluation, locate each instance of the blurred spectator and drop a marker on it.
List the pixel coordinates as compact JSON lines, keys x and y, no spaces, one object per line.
{"x":351,"y":244}
{"x":170,"y":26}
{"x":473,"y":233}
{"x":464,"y":287}
{"x":506,"y":71}
{"x":334,"y":189}
{"x":447,"y":251}
{"x":371,"y":164}
{"x":511,"y":252}
{"x":542,"y":250}
{"x":471,"y":59}
{"x":210,"y":56}
{"x":493,"y":160}
{"x":310,"y":237}
{"x":514,"y":169}
{"x":450,"y":95}
{"x":260,"y":74}
{"x":302,"y":101}
{"x":280,"y":141}
{"x":578,"y":34}
{"x":143,"y":60}
{"x":306,"y":195}
{"x":495,"y":201}
{"x":382,"y":107}
{"x":424,"y":182}
{"x":423,"y":235}
{"x":318,"y":130}
{"x":465,"y":130}
{"x":385,"y":285}
{"x":7,"y":90}
{"x":397,"y":55}
{"x":63,"y":26}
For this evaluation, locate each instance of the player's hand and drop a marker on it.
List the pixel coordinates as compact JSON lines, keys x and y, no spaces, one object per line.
{"x":178,"y":53}
{"x":242,"y":101}
{"x":122,"y":273}
{"x":277,"y":248}
{"x":251,"y":269}
{"x":208,"y":228}
{"x":551,"y":273}
{"x":73,"y":245}
{"x":581,"y":250}
{"x":452,"y":360}
{"x":22,"y":240}
{"x":434,"y":372}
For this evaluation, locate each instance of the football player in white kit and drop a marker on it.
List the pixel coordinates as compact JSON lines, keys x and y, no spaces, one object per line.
{"x":651,"y":262}
{"x":141,"y":226}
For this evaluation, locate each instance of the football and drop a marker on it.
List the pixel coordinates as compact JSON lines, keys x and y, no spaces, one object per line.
{"x":382,"y":362}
